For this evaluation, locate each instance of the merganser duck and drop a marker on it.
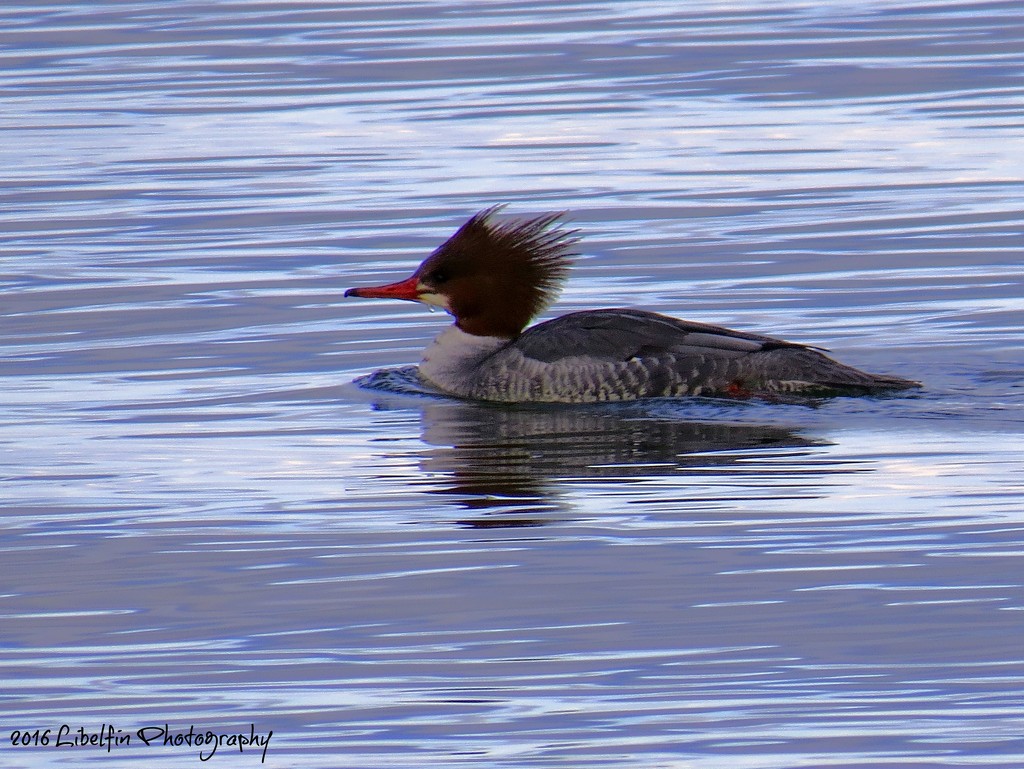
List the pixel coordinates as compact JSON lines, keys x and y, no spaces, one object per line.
{"x":495,"y":276}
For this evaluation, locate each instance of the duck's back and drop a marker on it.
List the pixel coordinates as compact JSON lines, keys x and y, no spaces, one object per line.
{"x":623,"y":354}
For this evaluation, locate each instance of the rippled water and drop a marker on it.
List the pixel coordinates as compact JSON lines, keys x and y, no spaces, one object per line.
{"x":205,"y":523}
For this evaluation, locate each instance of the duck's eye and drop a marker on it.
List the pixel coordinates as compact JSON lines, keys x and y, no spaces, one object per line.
{"x":437,"y":277}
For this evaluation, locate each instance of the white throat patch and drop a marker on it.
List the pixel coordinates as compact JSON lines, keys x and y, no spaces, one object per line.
{"x":431,"y":299}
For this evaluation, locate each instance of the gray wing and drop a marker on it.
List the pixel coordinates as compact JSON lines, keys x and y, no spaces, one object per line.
{"x":661,"y":355}
{"x":621,"y":335}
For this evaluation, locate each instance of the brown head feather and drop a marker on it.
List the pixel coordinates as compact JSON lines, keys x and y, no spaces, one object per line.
{"x":497,"y":275}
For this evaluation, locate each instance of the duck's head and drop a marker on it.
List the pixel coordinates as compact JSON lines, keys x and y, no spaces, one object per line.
{"x":492,"y":276}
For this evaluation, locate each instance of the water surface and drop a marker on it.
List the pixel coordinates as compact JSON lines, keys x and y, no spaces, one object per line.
{"x":206,"y":523}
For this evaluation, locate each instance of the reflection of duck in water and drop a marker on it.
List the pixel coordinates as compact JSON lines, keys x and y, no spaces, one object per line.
{"x":507,"y":466}
{"x":494,"y":277}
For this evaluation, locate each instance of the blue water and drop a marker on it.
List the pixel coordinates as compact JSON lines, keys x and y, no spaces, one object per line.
{"x":206,"y":524}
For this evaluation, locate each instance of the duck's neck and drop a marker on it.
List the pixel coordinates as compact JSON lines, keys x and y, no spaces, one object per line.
{"x":452,"y":360}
